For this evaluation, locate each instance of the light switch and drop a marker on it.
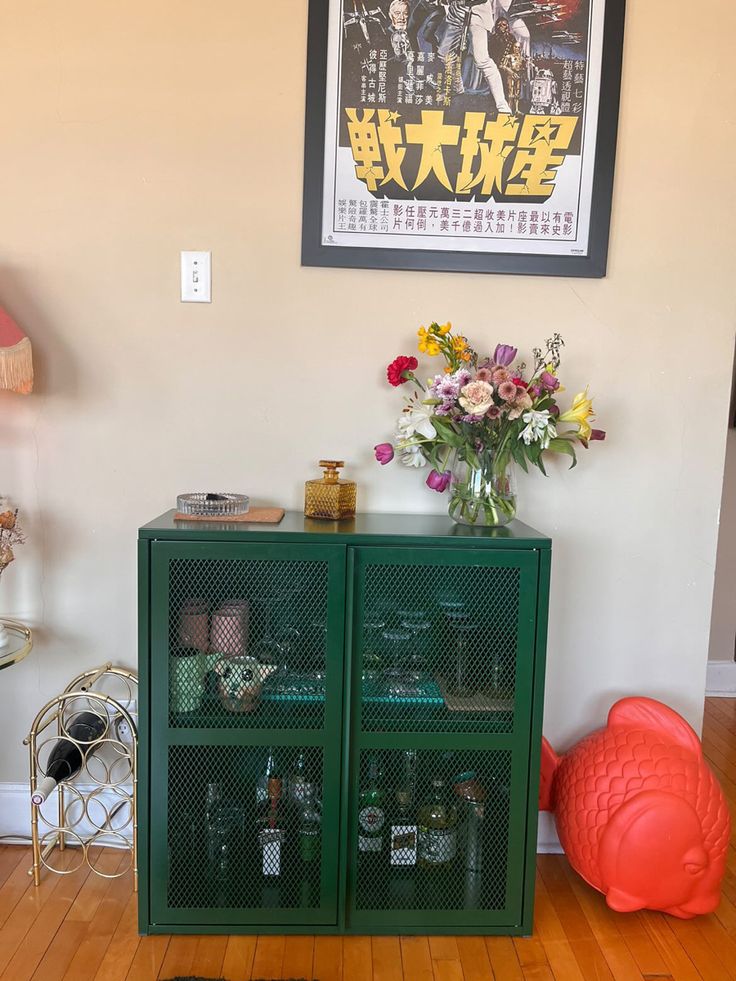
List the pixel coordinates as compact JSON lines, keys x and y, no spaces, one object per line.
{"x":196,"y":277}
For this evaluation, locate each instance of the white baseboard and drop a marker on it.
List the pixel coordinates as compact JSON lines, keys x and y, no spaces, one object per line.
{"x":547,"y":841}
{"x":15,"y":816}
{"x":720,"y":680}
{"x":15,"y":820}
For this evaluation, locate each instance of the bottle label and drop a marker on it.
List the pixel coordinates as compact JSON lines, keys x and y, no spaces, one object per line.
{"x":271,"y":839}
{"x":403,"y":844}
{"x":371,"y":819}
{"x":437,"y":845}
{"x":300,"y":790}
{"x":373,"y":844}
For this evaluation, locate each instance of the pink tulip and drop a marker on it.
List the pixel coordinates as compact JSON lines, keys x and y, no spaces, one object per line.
{"x":384,"y":453}
{"x":439,"y":481}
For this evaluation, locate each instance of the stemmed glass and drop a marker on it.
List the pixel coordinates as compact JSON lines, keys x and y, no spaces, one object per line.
{"x":420,"y":627}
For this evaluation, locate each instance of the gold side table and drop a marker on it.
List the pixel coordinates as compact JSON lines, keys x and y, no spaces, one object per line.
{"x":20,"y":642}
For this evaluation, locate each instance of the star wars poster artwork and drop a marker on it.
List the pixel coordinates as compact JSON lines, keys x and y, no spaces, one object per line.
{"x":462,"y":135}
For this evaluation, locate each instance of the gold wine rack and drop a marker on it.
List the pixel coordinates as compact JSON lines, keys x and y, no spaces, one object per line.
{"x":95,"y":812}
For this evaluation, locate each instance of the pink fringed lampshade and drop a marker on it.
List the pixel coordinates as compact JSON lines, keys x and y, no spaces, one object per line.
{"x":16,"y":360}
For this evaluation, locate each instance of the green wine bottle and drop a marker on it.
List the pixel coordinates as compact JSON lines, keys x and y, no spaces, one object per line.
{"x":371,"y":812}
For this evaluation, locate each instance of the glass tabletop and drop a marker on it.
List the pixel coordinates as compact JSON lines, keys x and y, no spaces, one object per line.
{"x":16,"y":642}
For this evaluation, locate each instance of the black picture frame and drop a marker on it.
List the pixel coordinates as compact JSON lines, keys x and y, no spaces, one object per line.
{"x":593,"y":265}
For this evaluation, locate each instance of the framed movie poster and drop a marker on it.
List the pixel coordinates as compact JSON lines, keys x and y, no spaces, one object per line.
{"x":462,"y":135}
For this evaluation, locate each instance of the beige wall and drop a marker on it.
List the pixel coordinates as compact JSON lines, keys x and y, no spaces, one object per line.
{"x":127,"y":136}
{"x":723,"y":621}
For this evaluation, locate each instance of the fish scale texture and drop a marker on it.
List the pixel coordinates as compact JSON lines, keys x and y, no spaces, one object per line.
{"x":610,"y":766}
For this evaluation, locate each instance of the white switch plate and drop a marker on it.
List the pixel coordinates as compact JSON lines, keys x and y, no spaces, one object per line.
{"x":196,"y":277}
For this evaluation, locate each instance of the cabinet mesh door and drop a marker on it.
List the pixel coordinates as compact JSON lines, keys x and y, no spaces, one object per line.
{"x":234,"y":842}
{"x":435,"y":834}
{"x":438,"y":647}
{"x":226,"y":615}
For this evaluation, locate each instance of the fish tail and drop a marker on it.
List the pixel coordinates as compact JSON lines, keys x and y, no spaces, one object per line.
{"x":550,"y":762}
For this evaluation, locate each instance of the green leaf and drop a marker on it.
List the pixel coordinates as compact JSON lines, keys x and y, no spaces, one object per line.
{"x":560,"y":445}
{"x":472,"y":457}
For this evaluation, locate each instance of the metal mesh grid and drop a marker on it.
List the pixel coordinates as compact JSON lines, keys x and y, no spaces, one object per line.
{"x":432,"y":830}
{"x":247,"y":643}
{"x":438,"y":648}
{"x":244,"y":827}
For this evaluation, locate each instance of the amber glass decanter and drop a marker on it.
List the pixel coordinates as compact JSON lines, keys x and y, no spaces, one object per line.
{"x":329,"y":496}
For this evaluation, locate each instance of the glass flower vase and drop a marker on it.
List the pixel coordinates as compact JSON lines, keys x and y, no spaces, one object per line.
{"x":485,"y":495}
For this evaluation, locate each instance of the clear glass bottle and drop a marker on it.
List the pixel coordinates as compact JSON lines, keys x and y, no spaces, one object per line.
{"x":403,"y":835}
{"x":310,"y":830}
{"x":300,"y":787}
{"x":272,"y":835}
{"x":473,"y":796}
{"x":262,"y":781}
{"x":371,"y":812}
{"x":330,"y":496}
{"x":437,"y":827}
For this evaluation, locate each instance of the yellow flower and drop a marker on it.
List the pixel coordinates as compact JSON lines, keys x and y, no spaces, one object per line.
{"x":580,"y":412}
{"x":444,"y":328}
{"x":427,"y":343}
{"x":466,"y":355}
{"x":425,"y":340}
{"x":459,"y":344}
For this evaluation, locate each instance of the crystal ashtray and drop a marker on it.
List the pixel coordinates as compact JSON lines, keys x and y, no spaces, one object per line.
{"x":213,"y":505}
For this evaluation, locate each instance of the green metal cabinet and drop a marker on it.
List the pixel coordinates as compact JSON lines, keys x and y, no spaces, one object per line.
{"x":405,"y":659}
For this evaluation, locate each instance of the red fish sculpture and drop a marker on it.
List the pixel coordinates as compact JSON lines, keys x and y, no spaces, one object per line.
{"x":639,"y":814}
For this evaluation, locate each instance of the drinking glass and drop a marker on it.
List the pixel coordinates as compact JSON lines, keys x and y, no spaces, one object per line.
{"x":397,"y":644}
{"x":464,"y":677}
{"x":420,"y":627}
{"x":373,"y":628}
{"x":228,"y":632}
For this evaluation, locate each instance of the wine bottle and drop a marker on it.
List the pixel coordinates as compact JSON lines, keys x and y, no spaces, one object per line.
{"x":371,"y":815}
{"x":262,"y":781}
{"x":68,"y":754}
{"x":437,"y":821}
{"x":310,"y":831}
{"x":469,"y":790}
{"x":272,"y":836}
{"x":300,"y":788}
{"x":403,"y":837}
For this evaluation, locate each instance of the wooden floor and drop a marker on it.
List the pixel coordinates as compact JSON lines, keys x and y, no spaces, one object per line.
{"x":81,"y":927}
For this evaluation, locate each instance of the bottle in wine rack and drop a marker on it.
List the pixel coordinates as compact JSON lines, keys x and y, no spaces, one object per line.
{"x":68,"y":755}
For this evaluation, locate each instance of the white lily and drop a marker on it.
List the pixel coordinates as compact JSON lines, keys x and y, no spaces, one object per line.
{"x":411,"y":455}
{"x":416,"y":419}
{"x":539,"y":428}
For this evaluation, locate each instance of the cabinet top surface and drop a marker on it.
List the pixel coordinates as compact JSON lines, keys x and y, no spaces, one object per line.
{"x":364,"y":529}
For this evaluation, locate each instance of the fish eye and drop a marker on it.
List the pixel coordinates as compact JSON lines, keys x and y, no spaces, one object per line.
{"x":692,"y":868}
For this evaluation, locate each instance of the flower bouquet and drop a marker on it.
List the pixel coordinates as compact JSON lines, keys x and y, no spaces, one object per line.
{"x":10,"y":534}
{"x":475,"y":420}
